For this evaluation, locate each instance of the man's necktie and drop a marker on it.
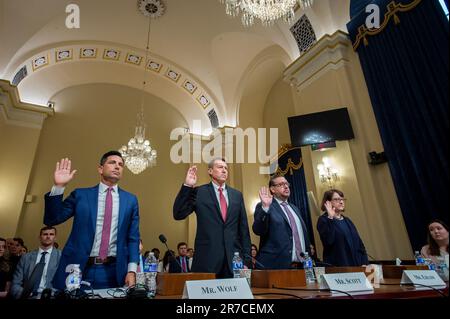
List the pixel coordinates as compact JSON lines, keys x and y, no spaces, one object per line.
{"x":32,"y":284}
{"x":298,"y":245}
{"x":106,"y":230}
{"x":183,"y":264}
{"x":223,"y":204}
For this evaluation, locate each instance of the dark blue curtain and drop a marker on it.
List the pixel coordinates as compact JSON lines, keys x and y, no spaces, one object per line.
{"x":406,"y":67}
{"x":290,"y":165}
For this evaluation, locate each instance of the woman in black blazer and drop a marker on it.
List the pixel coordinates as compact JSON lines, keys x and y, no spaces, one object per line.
{"x":342,"y":245}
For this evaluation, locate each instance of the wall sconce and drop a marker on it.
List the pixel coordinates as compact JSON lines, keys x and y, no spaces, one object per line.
{"x":327,"y":173}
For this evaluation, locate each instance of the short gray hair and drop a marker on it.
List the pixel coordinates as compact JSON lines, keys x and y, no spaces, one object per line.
{"x":211,"y":162}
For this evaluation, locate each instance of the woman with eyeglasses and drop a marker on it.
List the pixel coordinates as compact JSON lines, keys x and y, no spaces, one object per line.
{"x":342,"y":245}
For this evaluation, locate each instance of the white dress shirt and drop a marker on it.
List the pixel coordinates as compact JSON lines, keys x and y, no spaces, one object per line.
{"x":224,"y":192}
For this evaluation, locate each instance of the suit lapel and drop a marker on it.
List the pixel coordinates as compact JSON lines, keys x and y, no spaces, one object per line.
{"x":214,"y":199}
{"x":52,"y":265}
{"x":231,"y":201}
{"x":93,"y":205}
{"x":32,"y":263}
{"x":280,"y":211}
{"x":122,"y":206}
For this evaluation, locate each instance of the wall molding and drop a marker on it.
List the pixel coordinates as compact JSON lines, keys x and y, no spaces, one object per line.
{"x":331,"y":52}
{"x":18,"y":113}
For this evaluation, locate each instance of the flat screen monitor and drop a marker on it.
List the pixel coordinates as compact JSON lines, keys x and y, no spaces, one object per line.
{"x":321,"y":127}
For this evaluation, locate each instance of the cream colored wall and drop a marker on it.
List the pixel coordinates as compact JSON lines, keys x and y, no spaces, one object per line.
{"x":18,"y":146}
{"x":372,"y":202}
{"x":90,"y":120}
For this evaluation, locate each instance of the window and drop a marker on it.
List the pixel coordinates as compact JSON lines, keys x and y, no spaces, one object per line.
{"x":20,"y":75}
{"x":304,"y":34}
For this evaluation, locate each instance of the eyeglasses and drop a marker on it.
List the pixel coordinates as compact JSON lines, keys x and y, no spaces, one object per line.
{"x":282,"y":185}
{"x":339,"y":199}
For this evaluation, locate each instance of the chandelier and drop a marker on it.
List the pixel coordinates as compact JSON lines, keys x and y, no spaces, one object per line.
{"x":327,"y":173}
{"x":138,"y":154}
{"x":268,"y":11}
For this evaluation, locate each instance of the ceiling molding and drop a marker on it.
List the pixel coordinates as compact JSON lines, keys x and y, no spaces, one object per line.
{"x":95,"y":51}
{"x":16,"y":112}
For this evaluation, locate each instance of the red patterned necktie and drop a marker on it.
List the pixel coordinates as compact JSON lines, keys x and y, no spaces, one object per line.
{"x":106,"y":230}
{"x":223,"y":204}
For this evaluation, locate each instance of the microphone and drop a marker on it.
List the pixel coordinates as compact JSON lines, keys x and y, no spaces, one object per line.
{"x":257,"y":262}
{"x":373,"y":259}
{"x":163,"y":239}
{"x":318,"y":263}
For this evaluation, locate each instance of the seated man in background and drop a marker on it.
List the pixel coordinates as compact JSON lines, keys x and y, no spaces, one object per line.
{"x":36,"y":269}
{"x":181,"y":260}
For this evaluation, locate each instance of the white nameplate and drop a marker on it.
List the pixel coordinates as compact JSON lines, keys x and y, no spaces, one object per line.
{"x":236,"y":288}
{"x":352,"y":282}
{"x":422,"y":278}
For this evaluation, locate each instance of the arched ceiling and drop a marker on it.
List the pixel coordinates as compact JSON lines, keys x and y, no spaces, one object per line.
{"x":195,"y":39}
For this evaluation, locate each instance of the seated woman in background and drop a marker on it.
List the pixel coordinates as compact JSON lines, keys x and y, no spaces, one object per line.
{"x":437,"y":241}
{"x":254,"y":252}
{"x":5,"y":271}
{"x":342,"y":245}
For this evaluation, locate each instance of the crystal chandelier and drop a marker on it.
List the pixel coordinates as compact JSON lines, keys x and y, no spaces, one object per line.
{"x":265,"y":10}
{"x":138,"y":154}
{"x":327,"y":173}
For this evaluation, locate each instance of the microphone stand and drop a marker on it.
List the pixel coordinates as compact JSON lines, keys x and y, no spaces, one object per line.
{"x":171,"y":254}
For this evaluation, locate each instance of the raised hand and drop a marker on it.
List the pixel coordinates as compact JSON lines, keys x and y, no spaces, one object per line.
{"x":63,"y":175}
{"x":330,"y":209}
{"x":265,"y":196}
{"x":191,"y":176}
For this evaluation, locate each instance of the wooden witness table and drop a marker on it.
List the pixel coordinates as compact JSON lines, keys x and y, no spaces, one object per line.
{"x":391,"y":291}
{"x":295,"y":285}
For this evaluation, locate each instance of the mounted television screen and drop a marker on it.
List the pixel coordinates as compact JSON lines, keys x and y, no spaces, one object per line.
{"x":321,"y":127}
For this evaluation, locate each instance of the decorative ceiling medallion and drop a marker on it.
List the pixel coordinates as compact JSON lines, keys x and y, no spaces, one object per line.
{"x":154,"y":66}
{"x":189,"y":86}
{"x":133,"y":59}
{"x":62,"y":55}
{"x":88,"y":53}
{"x":203,"y":100}
{"x":111,"y":54}
{"x":151,"y":8}
{"x":39,"y":62}
{"x":173,"y":75}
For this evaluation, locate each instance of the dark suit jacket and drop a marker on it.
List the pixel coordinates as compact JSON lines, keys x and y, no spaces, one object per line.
{"x":82,"y":206}
{"x":337,"y":249}
{"x":215,"y":241}
{"x":275,"y":246}
{"x":25,"y":268}
{"x":175,"y":268}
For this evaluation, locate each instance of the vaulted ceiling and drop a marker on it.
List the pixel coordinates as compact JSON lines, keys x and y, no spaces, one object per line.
{"x":202,"y":58}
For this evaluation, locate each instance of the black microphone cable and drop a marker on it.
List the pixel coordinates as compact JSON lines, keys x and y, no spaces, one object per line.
{"x":257,"y":262}
{"x":412,"y":284}
{"x":315,"y":290}
{"x":277,"y":294}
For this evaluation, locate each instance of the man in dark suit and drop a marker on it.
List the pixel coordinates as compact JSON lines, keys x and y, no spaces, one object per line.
{"x":36,"y":269}
{"x":104,"y":239}
{"x":181,"y":264}
{"x":222,"y":226}
{"x":283,"y":234}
